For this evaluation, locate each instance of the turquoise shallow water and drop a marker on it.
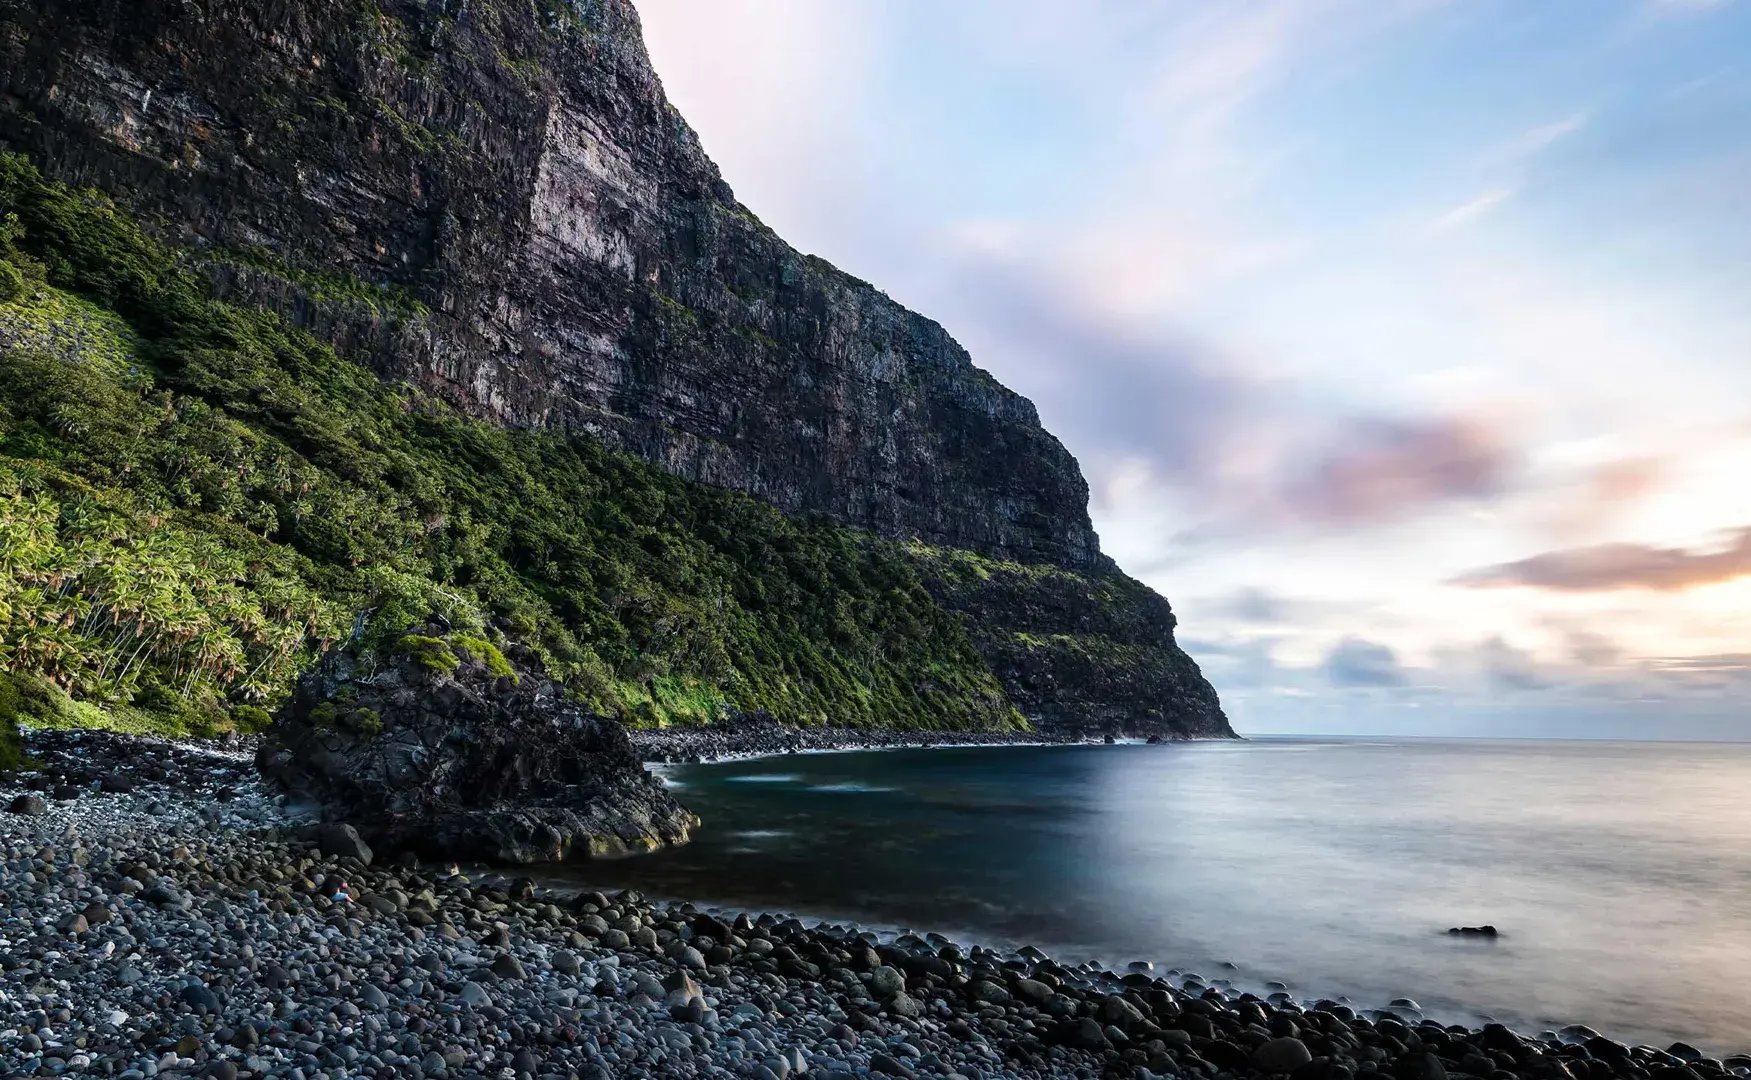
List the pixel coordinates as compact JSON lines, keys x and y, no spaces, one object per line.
{"x":1619,"y":874}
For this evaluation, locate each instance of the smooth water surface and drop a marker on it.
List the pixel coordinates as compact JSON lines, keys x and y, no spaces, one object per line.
{"x":1619,"y":874}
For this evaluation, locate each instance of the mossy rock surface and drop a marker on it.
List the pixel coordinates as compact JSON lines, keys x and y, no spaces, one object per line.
{"x":478,"y":756}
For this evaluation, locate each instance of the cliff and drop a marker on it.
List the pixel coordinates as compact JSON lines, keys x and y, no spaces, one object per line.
{"x":492,"y":202}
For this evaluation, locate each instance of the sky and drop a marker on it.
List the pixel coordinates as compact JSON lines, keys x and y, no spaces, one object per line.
{"x":1405,"y":344}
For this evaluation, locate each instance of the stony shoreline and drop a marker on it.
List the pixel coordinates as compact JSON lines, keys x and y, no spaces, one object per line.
{"x":756,"y":738}
{"x":164,"y":915}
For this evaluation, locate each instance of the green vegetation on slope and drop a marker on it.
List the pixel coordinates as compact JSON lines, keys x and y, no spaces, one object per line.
{"x":195,"y":498}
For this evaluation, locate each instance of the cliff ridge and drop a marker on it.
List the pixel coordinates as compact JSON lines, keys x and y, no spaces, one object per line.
{"x":492,"y":203}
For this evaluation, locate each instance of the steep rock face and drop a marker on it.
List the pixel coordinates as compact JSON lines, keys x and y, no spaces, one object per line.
{"x":515,"y":167}
{"x":494,"y":200}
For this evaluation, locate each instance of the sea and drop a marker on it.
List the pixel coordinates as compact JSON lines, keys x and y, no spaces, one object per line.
{"x":1617,"y":874}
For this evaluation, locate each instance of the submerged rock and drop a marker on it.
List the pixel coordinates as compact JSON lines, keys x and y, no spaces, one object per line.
{"x":451,"y":745}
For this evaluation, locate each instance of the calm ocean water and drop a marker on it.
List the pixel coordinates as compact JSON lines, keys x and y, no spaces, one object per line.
{"x":1619,"y":874}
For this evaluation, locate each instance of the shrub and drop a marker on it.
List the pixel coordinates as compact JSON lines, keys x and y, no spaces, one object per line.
{"x":251,"y":719}
{"x":366,"y":721}
{"x":431,"y":653}
{"x":485,"y":652}
{"x":11,"y":282}
{"x":11,"y":746}
{"x":35,"y":702}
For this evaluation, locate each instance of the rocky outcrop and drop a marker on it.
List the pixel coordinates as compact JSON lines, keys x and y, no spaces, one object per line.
{"x":1082,"y":655}
{"x":444,"y":744}
{"x":493,"y":200}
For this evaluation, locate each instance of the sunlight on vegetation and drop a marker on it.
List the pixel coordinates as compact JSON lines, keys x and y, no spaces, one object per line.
{"x":196,"y":498}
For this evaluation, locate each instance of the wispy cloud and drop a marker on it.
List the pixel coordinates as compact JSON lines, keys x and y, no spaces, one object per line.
{"x":1605,"y":567}
{"x":1470,"y":210}
{"x":1535,"y":140}
{"x":1380,"y":470}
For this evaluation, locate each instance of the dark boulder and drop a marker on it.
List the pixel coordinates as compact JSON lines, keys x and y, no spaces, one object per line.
{"x":445,"y":743}
{"x":1419,"y":1065}
{"x":343,"y":842}
{"x":28,"y":805}
{"x":1484,"y":931}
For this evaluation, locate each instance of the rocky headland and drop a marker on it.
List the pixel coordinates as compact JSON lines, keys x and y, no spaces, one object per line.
{"x":164,"y":913}
{"x":364,"y":303}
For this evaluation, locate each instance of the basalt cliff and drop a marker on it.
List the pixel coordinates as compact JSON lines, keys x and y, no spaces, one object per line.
{"x":491,"y":208}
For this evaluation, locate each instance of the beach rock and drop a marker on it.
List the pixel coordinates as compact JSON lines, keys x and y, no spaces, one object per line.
{"x":1084,"y":1034}
{"x":166,"y":896}
{"x":1283,"y":1055}
{"x":453,"y":746}
{"x":1120,"y":1013}
{"x":885,"y":982}
{"x":1032,"y":992}
{"x":28,"y":805}
{"x":1604,"y":1049}
{"x":903,"y":1004}
{"x":1226,"y":1056}
{"x":343,"y":842}
{"x":1419,"y":1065}
{"x":680,"y":990}
{"x":566,"y":962}
{"x":1485,"y":931}
{"x":1498,"y":1037}
{"x":888,"y":1065}
{"x":474,"y":995}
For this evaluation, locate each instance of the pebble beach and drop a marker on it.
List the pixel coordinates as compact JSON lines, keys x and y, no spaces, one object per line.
{"x":164,"y":914}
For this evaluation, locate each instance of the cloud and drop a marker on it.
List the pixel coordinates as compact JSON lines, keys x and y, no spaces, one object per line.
{"x":1470,"y":210}
{"x":1606,"y":567}
{"x":731,"y":67}
{"x":1537,"y":139}
{"x":1627,"y":479}
{"x":1507,"y":165}
{"x":1580,"y":502}
{"x":1593,"y":650}
{"x":1111,"y":387}
{"x":1246,"y":664}
{"x":1509,"y":668}
{"x":1252,"y":605}
{"x":1356,"y":662}
{"x":1384,"y":469}
{"x":1146,"y":404}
